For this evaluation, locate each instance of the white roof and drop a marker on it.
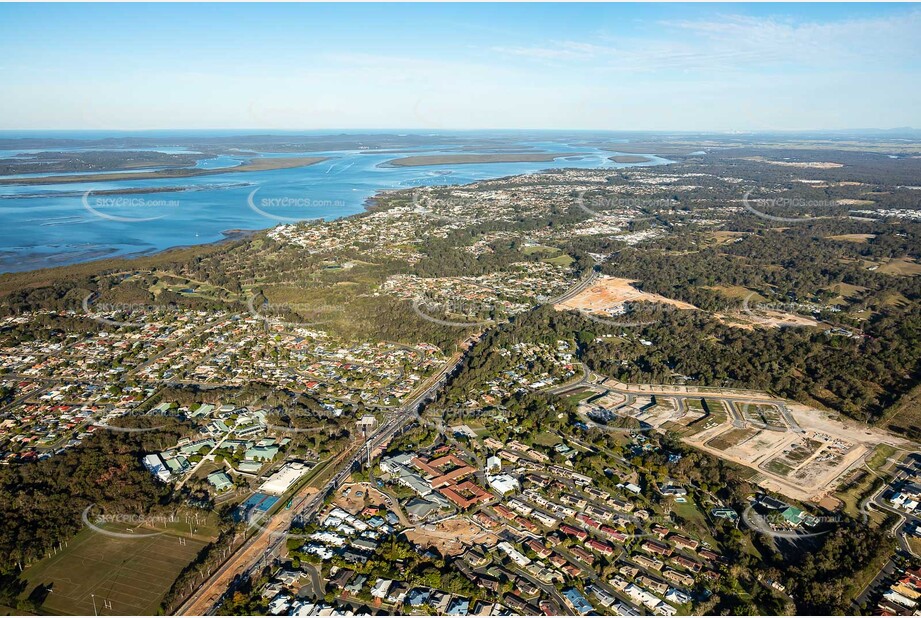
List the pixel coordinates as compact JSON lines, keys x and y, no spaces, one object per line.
{"x":279,"y":482}
{"x":503,"y":483}
{"x":380,"y":588}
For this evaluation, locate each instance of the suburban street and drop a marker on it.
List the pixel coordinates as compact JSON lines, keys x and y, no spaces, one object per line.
{"x":269,"y":542}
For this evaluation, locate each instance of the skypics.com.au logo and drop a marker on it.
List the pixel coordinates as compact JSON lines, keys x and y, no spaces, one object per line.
{"x":286,"y":315}
{"x":125,"y":525}
{"x":106,"y":207}
{"x":105,"y":313}
{"x":789,"y":525}
{"x":807,"y":210}
{"x":461,"y":312}
{"x":606,"y":206}
{"x":294,"y":209}
{"x":631,"y":314}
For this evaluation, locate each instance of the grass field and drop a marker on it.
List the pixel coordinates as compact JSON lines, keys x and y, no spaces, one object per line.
{"x":856,"y":491}
{"x":857,"y":238}
{"x":845,"y":292}
{"x":579,"y":395}
{"x":714,"y":414}
{"x":127,"y":576}
{"x":689,"y":511}
{"x":731,"y":438}
{"x":722,"y":237}
{"x":735,"y":292}
{"x":550,"y":255}
{"x":880,"y":455}
{"x":546,"y":438}
{"x":564,"y":259}
{"x":779,"y":467}
{"x":864,"y":480}
{"x":764,"y":413}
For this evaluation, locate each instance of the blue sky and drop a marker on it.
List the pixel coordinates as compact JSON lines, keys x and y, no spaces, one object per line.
{"x":692,"y":67}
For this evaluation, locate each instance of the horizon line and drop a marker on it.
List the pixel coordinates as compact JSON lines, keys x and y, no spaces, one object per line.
{"x":448,"y":129}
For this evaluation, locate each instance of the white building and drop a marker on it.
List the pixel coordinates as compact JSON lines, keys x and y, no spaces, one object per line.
{"x":516,"y":556}
{"x":281,"y":481}
{"x":155,"y":465}
{"x":503,"y":483}
{"x":380,"y":588}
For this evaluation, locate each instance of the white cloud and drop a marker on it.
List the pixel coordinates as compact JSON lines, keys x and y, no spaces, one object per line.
{"x":734,"y":42}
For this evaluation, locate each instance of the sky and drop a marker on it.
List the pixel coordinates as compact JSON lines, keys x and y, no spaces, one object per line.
{"x":692,"y":67}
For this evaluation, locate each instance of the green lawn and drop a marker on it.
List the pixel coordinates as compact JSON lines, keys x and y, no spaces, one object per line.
{"x":881,"y":453}
{"x":129,"y":575}
{"x":560,"y":260}
{"x":778,"y":466}
{"x":546,"y":438}
{"x":714,"y":414}
{"x":579,"y":395}
{"x":852,"y":495}
{"x":690,"y":512}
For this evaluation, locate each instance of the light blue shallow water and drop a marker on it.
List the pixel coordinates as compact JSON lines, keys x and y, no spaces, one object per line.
{"x":48,"y":225}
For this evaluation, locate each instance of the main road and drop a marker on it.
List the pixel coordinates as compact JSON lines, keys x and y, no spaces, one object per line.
{"x":251,"y":554}
{"x":270,"y":538}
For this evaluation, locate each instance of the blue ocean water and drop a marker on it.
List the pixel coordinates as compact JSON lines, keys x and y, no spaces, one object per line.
{"x":49,"y":225}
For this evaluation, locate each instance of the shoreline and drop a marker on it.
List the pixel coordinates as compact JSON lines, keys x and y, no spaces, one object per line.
{"x":369,"y":205}
{"x":105,"y":261}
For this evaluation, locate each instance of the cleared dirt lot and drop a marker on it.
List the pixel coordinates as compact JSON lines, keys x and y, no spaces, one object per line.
{"x":355,"y":503}
{"x":857,"y":238}
{"x":451,"y":536}
{"x":764,"y":318}
{"x":818,"y":165}
{"x":611,"y":292}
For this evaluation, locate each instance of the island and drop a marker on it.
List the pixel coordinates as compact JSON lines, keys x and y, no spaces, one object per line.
{"x":463,"y":159}
{"x":253,"y":165}
{"x":630,"y":159}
